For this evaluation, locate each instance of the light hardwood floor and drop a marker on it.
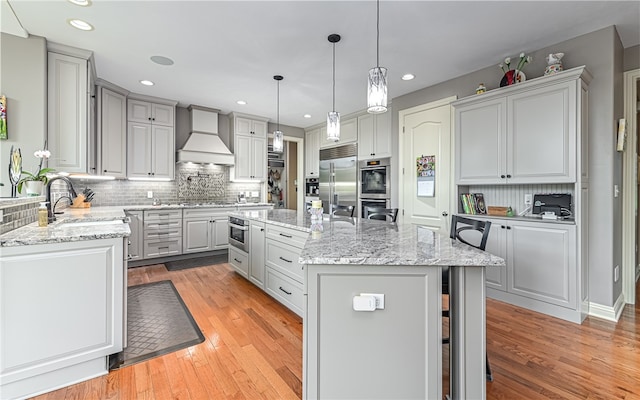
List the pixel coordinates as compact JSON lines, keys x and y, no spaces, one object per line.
{"x":253,"y":350}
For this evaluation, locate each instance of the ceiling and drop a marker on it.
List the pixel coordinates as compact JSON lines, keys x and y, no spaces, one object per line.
{"x":226,"y":51}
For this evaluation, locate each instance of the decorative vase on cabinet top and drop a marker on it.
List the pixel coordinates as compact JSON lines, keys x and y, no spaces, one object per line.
{"x":511,"y":78}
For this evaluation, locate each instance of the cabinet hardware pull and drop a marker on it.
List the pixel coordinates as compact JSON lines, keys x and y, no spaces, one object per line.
{"x":502,"y":176}
{"x":289,"y":293}
{"x":236,"y":260}
{"x":508,"y":227}
{"x":502,"y":226}
{"x":261,"y":229}
{"x":287,"y":236}
{"x":284,"y":259}
{"x":129,"y":242}
{"x":508,"y":176}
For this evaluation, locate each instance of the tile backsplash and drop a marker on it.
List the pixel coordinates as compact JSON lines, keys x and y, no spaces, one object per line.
{"x":193,"y":183}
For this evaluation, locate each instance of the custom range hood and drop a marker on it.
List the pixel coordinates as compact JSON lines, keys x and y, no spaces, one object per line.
{"x":204,"y":146}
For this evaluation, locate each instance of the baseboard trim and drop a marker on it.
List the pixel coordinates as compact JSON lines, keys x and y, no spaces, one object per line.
{"x":608,"y":312}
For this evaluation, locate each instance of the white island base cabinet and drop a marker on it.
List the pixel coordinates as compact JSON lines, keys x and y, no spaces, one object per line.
{"x":392,"y":353}
{"x":61,"y":313}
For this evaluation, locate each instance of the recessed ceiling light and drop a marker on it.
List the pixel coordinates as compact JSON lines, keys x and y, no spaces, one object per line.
{"x":146,"y":82}
{"x":80,"y":24}
{"x":83,"y":3}
{"x":241,"y":102}
{"x":162,"y":60}
{"x":408,"y":77}
{"x":307,"y":115}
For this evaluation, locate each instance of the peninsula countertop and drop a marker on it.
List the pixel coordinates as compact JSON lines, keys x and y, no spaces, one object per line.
{"x":344,"y":241}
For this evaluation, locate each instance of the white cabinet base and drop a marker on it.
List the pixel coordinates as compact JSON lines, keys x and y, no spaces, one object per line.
{"x":568,"y":314}
{"x":54,"y":380}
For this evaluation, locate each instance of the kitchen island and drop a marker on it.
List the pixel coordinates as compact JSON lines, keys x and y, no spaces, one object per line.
{"x":394,"y":351}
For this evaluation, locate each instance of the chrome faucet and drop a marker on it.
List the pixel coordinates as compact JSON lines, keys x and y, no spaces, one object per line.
{"x":72,"y":193}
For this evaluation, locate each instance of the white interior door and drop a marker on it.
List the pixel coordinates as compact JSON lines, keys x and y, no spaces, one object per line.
{"x":426,"y":131}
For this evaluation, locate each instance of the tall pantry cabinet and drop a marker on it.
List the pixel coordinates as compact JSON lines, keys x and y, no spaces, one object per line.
{"x":523,"y":138}
{"x":71,"y":109}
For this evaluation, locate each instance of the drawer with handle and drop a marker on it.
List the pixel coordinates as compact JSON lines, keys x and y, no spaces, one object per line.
{"x":285,"y":290}
{"x":239,"y":260}
{"x":162,"y":215}
{"x":162,"y":247}
{"x":284,"y":258}
{"x":286,"y":235}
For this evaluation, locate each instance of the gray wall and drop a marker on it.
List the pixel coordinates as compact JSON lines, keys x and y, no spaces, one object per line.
{"x":632,"y":58}
{"x":286,"y":129}
{"x":23,"y":80}
{"x":602,"y":53}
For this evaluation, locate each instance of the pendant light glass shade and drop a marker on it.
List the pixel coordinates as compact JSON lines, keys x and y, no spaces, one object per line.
{"x":333,"y":126}
{"x":278,"y":141}
{"x":377,"y":90}
{"x":278,"y":136}
{"x":333,"y":117}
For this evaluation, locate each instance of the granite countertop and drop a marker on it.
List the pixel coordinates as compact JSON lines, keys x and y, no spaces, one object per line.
{"x":66,"y":228}
{"x":344,"y":240}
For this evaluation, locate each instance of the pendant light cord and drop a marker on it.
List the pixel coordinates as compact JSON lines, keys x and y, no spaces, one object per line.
{"x":334,"y":77}
{"x":378,"y":33}
{"x":278,"y":107}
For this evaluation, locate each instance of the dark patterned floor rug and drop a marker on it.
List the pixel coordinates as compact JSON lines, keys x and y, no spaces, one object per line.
{"x":196,"y":262}
{"x":158,"y":323}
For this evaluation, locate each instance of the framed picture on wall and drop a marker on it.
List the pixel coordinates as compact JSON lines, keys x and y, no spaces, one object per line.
{"x":3,"y":117}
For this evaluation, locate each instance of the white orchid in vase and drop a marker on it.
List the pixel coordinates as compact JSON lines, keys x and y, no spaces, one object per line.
{"x":41,"y":173}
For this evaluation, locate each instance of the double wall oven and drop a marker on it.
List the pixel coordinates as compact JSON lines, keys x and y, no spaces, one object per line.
{"x":374,"y":186}
{"x":239,"y":233}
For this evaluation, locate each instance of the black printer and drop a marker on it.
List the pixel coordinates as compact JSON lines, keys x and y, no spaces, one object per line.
{"x":558,"y":203}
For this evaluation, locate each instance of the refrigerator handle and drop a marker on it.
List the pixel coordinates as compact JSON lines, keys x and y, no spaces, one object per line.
{"x":335,"y":199}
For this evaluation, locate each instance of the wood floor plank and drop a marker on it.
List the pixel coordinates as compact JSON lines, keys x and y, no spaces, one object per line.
{"x":253,"y":350}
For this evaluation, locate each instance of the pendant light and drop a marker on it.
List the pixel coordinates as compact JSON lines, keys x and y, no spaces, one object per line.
{"x":377,"y":82}
{"x":278,"y":136}
{"x":333,"y":117}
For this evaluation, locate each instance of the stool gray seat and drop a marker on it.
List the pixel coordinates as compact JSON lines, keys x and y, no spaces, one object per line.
{"x":339,"y":210}
{"x":379,"y":213}
{"x":473,"y":233}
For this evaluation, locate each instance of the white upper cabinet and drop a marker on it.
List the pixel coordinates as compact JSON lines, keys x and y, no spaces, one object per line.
{"x":150,"y":140}
{"x":348,"y":134}
{"x":70,"y":111}
{"x":374,"y":136}
{"x":112,"y":132}
{"x":312,"y":153}
{"x":143,"y":111}
{"x":249,"y":138}
{"x":527,"y":133}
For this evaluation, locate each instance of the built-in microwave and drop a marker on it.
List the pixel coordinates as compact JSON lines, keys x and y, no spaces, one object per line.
{"x":239,"y":233}
{"x":374,"y":179}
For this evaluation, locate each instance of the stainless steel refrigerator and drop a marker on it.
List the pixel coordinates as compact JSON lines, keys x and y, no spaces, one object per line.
{"x":339,"y":176}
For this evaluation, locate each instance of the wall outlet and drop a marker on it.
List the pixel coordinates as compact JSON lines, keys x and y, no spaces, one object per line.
{"x":379,"y":299}
{"x":149,"y":194}
{"x":254,"y":194}
{"x":616,"y":273}
{"x":528,"y":199}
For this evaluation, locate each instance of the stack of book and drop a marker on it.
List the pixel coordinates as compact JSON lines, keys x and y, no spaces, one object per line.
{"x":473,"y":203}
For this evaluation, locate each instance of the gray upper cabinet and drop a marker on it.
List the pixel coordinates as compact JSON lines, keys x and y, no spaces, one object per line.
{"x":249,"y":141}
{"x":112,"y":132}
{"x":374,"y":136}
{"x":312,"y":153}
{"x":348,"y":134}
{"x":150,"y":140}
{"x":522,"y":134}
{"x":70,"y":113}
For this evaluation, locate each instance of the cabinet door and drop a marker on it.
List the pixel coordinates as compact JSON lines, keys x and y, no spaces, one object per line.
{"x":542,"y":135}
{"x":366,"y":133}
{"x":113,"y":133}
{"x":256,"y":254}
{"x":259,"y":128}
{"x":312,"y":154}
{"x":239,"y":260}
{"x":196,"y":235}
{"x":243,"y":156}
{"x":259,"y":158}
{"x":382,"y":139}
{"x":67,"y":113}
{"x":541,"y":262}
{"x":220,"y":232}
{"x":496,"y":277}
{"x":139,"y":111}
{"x":480,"y":142}
{"x":162,"y":114}
{"x":163,"y":151}
{"x":242,"y":126}
{"x":135,"y":239}
{"x":139,"y":150}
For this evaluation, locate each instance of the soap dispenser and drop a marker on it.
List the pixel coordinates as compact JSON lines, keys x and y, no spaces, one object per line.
{"x":43,"y":214}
